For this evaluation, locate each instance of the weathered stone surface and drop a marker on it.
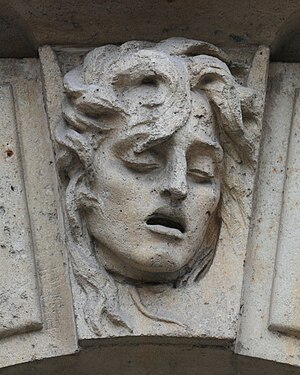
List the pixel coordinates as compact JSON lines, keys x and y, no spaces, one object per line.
{"x":36,"y":313}
{"x":35,"y":304}
{"x":20,"y":306}
{"x":26,"y":25}
{"x":273,"y":252}
{"x":142,"y":90}
{"x":285,"y":302}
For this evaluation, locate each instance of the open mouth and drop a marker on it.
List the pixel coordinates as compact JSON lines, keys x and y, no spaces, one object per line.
{"x":164,"y":224}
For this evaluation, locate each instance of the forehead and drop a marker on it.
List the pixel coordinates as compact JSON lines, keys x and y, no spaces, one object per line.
{"x":199,"y":128}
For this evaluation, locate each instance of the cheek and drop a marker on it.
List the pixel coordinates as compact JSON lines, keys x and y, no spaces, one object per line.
{"x":123,"y":196}
{"x":111,"y":185}
{"x":214,"y":195}
{"x":207,"y":195}
{"x":203,"y":203}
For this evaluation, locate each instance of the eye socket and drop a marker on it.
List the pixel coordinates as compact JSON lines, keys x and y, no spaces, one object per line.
{"x":201,"y":166}
{"x":200,"y":176}
{"x":145,"y":161}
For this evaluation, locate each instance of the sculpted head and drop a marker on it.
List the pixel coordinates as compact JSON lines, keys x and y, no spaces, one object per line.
{"x":150,"y":136}
{"x":156,"y":202}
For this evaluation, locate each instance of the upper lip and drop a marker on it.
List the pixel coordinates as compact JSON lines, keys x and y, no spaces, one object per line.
{"x":168,"y":217}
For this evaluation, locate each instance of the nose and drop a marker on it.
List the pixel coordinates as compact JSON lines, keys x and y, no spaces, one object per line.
{"x":174,"y":182}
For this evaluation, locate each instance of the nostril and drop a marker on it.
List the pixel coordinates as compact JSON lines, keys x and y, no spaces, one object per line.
{"x":175,"y":185}
{"x":165,"y":193}
{"x":174,"y":193}
{"x":179,"y":194}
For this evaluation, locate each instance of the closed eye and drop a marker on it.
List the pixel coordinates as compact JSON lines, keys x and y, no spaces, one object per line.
{"x":141,"y":166}
{"x":200,"y":176}
{"x":145,"y":161}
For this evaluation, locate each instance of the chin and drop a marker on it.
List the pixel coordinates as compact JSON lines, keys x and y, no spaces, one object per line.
{"x":162,"y":264}
{"x":149,"y":263}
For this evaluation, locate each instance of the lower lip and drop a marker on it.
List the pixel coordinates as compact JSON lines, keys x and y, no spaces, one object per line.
{"x":171,"y":232}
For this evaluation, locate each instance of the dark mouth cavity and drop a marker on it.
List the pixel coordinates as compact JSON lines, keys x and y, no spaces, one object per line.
{"x":166,"y":222}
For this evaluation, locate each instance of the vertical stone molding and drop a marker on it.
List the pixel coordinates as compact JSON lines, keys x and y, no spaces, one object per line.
{"x":156,"y":151}
{"x":36,"y":314}
{"x":269,"y":326}
{"x":285,"y":303}
{"x":18,"y":285}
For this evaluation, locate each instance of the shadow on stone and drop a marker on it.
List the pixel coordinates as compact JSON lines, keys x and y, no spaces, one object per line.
{"x":286,"y":47}
{"x":16,"y":39}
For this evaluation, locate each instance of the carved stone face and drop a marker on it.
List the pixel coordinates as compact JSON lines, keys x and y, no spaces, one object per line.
{"x":156,"y":205}
{"x":146,"y":184}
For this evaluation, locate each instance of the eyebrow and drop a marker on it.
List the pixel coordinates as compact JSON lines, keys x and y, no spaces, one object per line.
{"x":202,"y":142}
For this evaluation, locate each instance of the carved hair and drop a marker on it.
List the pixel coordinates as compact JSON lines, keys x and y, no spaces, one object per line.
{"x":96,"y":94}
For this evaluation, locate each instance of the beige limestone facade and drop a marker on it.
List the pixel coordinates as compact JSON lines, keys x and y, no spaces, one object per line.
{"x":149,"y":187}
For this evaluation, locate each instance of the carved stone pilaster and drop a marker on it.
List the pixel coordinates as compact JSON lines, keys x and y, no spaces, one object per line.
{"x":36,"y":312}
